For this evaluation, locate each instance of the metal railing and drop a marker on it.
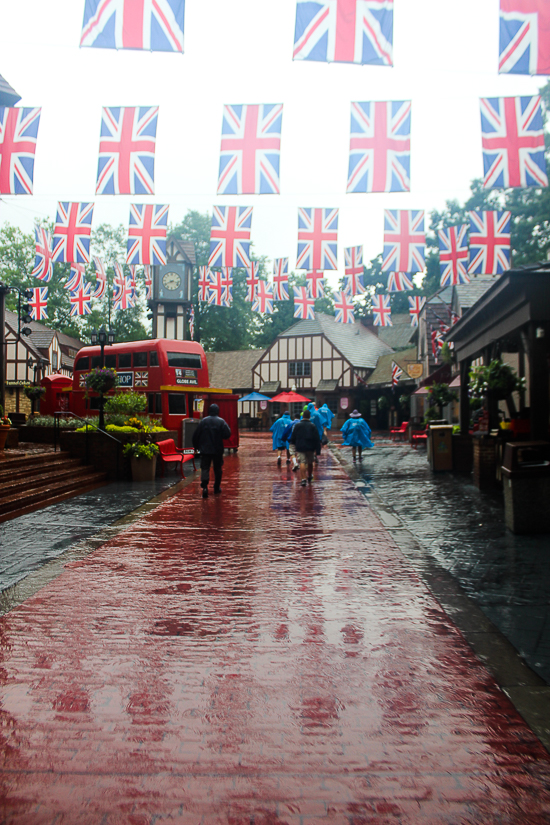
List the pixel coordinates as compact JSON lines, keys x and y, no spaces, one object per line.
{"x":57,"y":431}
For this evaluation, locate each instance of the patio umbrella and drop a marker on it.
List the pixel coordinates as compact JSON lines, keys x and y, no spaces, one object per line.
{"x":289,"y":398}
{"x":255,"y":396}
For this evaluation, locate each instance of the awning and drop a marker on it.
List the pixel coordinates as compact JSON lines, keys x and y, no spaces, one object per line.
{"x":327,"y":385}
{"x":270,"y":386}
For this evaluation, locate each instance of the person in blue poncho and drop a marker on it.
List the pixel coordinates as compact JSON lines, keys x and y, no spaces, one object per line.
{"x":287,"y":432}
{"x":279,"y":443}
{"x":356,"y":434}
{"x":326,"y":416}
{"x":316,"y":419}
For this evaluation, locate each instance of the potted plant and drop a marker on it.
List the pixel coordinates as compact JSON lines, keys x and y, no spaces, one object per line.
{"x":439,"y":396}
{"x":34,"y":393}
{"x":143,"y":460}
{"x":101,"y":380}
{"x":494,"y":382}
{"x":5,"y":425}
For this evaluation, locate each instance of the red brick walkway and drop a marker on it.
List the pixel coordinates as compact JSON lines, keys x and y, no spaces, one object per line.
{"x":263,"y":657}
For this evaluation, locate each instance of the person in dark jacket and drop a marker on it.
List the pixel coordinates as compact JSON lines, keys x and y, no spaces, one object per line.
{"x":305,"y":438}
{"x":208,"y":440}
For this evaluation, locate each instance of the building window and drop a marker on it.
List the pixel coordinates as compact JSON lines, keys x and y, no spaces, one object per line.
{"x":332,"y":404}
{"x":297,"y":369}
{"x":54,"y":360}
{"x":275,"y":408}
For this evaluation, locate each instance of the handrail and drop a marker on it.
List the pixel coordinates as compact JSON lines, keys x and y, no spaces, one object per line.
{"x":57,"y":415}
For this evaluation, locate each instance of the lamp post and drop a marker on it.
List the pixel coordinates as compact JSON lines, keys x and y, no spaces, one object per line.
{"x":102,"y":337}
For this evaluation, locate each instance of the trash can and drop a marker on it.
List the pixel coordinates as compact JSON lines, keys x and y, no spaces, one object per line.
{"x":440,"y":439}
{"x":526,"y":484}
{"x":189,"y":425}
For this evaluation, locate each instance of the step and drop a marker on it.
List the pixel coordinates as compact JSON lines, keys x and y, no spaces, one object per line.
{"x":42,"y":479}
{"x":37,"y":496}
{"x":33,"y":458}
{"x":34,"y":469}
{"x":54,"y":499}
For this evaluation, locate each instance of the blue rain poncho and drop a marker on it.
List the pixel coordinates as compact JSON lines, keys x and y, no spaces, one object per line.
{"x":326,"y":416}
{"x":287,"y":432}
{"x":356,"y":433}
{"x":315,"y":418}
{"x":277,"y":428}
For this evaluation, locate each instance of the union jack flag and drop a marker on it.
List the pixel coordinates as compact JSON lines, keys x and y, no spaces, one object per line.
{"x":18,"y":135}
{"x":205,"y":279}
{"x":396,"y":373}
{"x":415,"y":308}
{"x":317,"y":239}
{"x":250,"y":150}
{"x":119,"y":278}
{"x":124,"y":24}
{"x":344,"y":31}
{"x":353,"y":281}
{"x":101,"y":272}
{"x":76,"y":277}
{"x":123,"y":293}
{"x":315,"y":284}
{"x":380,"y":147}
{"x":43,"y":265}
{"x":513,"y":142}
{"x":226,"y":279}
{"x":303,"y":304}
{"x":399,"y":282}
{"x":147,"y":234}
{"x":81,"y":300}
{"x":381,"y":309}
{"x":343,"y":308}
{"x":404,"y":240}
{"x":252,"y":280}
{"x":263,"y":302}
{"x":230,"y":236}
{"x":192,"y":322}
{"x":437,"y":340}
{"x":71,"y":234}
{"x":148,"y":282}
{"x":524,"y":37}
{"x":132,"y":269}
{"x":100,"y":287}
{"x":215,"y":290}
{"x":127,"y":151}
{"x":454,"y":253}
{"x":39,"y":303}
{"x":489,"y":243}
{"x":353,"y":285}
{"x":280,"y":279}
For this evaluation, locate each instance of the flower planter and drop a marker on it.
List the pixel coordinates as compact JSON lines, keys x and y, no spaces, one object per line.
{"x":4,"y":430}
{"x":143,"y":469}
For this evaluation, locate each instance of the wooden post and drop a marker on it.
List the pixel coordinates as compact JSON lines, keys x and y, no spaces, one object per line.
{"x":538,"y":380}
{"x":465,"y":413}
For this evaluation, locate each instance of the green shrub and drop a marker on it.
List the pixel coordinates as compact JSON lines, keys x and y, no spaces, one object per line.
{"x":138,"y":449}
{"x":126,"y":403}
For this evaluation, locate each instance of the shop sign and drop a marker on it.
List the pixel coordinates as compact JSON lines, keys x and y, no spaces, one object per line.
{"x":415,"y":370}
{"x":186,"y":377}
{"x":344,"y":403}
{"x":263,"y":405}
{"x":125,"y":379}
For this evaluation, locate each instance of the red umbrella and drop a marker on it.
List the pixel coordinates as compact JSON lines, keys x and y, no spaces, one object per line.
{"x":289,"y":398}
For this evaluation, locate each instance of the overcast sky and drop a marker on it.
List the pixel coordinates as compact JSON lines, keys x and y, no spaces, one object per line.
{"x":239,"y":51}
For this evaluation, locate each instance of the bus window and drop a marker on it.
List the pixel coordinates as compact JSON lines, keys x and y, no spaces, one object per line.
{"x":125,"y":359}
{"x":110,"y":361}
{"x":140,"y":359}
{"x":188,"y":360}
{"x":153,"y":358}
{"x":82,"y":363}
{"x":96,"y":361}
{"x":155,"y":403}
{"x":158,"y":403}
{"x":177,"y":403}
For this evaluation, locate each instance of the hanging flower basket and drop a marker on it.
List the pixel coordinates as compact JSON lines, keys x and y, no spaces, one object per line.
{"x":101,"y":380}
{"x":34,"y":393}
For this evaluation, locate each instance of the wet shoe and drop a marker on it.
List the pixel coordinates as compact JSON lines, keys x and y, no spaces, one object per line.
{"x":217,"y":491}
{"x":309,"y":479}
{"x":288,"y":461}
{"x":295,"y":468}
{"x":205,"y":492}
{"x":279,"y":461}
{"x":303,"y":482}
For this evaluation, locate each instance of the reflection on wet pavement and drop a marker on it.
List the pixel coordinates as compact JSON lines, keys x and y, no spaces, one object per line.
{"x":266,"y":656}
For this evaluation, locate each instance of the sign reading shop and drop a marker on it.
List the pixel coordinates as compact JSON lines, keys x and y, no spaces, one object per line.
{"x":186,"y":377}
{"x":125,"y":379}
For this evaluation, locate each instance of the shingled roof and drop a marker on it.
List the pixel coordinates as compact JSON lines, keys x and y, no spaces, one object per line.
{"x":400,"y":334}
{"x":359,"y":345}
{"x":232,"y":370}
{"x":466,"y":295}
{"x":382,"y":374}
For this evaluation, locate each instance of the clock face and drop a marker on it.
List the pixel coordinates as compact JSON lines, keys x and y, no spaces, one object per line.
{"x":171,"y":280}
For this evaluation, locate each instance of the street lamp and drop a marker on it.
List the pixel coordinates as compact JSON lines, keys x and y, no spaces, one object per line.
{"x":102,"y":337}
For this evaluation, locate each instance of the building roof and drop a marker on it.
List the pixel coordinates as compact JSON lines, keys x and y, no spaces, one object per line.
{"x":382,"y":374}
{"x":12,"y":322}
{"x":232,"y":369}
{"x":8,"y":95}
{"x":359,"y":345}
{"x":41,"y":336}
{"x":400,"y":334}
{"x":185,"y":248}
{"x":468,"y":294}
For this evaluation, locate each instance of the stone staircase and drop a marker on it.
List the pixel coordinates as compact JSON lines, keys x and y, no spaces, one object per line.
{"x":31,"y":482}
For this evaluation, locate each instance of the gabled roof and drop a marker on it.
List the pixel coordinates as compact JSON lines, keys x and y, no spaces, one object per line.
{"x":466,"y":295}
{"x":42,"y":336}
{"x":382,"y":374}
{"x":400,"y":334}
{"x":185,"y":248}
{"x":359,"y":345}
{"x":11,"y":322}
{"x":232,"y":370}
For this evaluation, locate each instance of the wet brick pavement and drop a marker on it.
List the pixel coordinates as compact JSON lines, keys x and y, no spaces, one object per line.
{"x":267,"y":656}
{"x":507,"y":575}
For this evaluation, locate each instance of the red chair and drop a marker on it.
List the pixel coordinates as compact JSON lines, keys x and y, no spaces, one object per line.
{"x":401,"y":431}
{"x":170,"y":453}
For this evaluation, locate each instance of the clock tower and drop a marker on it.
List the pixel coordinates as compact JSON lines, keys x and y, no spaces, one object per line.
{"x":172,"y":291}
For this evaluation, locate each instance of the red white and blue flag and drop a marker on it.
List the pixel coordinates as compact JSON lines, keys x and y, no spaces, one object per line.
{"x":416,"y":304}
{"x":396,"y":373}
{"x":226,"y":279}
{"x":72,"y":231}
{"x":100,"y":287}
{"x":512,"y":137}
{"x":252,"y":280}
{"x":263,"y":302}
{"x":123,"y":293}
{"x":205,"y":279}
{"x":154,"y":25}
{"x":437,"y":340}
{"x":192,"y":322}
{"x":76,"y":278}
{"x":315,"y":283}
{"x":399,"y":282}
{"x":380,"y":147}
{"x":39,"y":303}
{"x":230,"y":236}
{"x":353,"y":256}
{"x":119,"y":278}
{"x":250,"y":150}
{"x":454,"y":254}
{"x":215,"y":290}
{"x":147,"y":234}
{"x":489,"y":243}
{"x":127,"y":151}
{"x":404,"y":240}
{"x":381,"y":309}
{"x":524,"y":37}
{"x":148,"y":282}
{"x":280,"y":279}
{"x":43,"y":265}
{"x":18,"y":135}
{"x":81,"y":300}
{"x":100,"y":270}
{"x":304,"y":305}
{"x":317,"y":239}
{"x":344,"y":31}
{"x":343,"y":308}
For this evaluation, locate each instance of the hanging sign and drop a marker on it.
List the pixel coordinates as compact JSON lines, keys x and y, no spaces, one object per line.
{"x":263,"y":405}
{"x":344,"y":403}
{"x":415,"y":370}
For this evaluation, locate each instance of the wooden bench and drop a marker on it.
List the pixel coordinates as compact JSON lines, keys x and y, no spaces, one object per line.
{"x":402,"y":431}
{"x":170,"y":453}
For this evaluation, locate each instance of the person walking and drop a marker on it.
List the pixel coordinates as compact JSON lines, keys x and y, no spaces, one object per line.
{"x":279,"y":443}
{"x":208,"y":440}
{"x":356,"y":434}
{"x":291,"y":448}
{"x":305,"y":438}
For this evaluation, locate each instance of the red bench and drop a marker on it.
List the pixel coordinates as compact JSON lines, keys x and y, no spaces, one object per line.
{"x":402,"y":431}
{"x":170,"y":453}
{"x":418,"y":438}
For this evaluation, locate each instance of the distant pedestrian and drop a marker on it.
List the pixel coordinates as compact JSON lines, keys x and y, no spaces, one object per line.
{"x":279,"y":443}
{"x":318,"y":421}
{"x":326,"y":416}
{"x":356,"y":434}
{"x":208,"y":440}
{"x":291,"y":448}
{"x":305,"y":438}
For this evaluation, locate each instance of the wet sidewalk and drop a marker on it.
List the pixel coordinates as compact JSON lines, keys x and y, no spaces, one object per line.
{"x":266,"y":656}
